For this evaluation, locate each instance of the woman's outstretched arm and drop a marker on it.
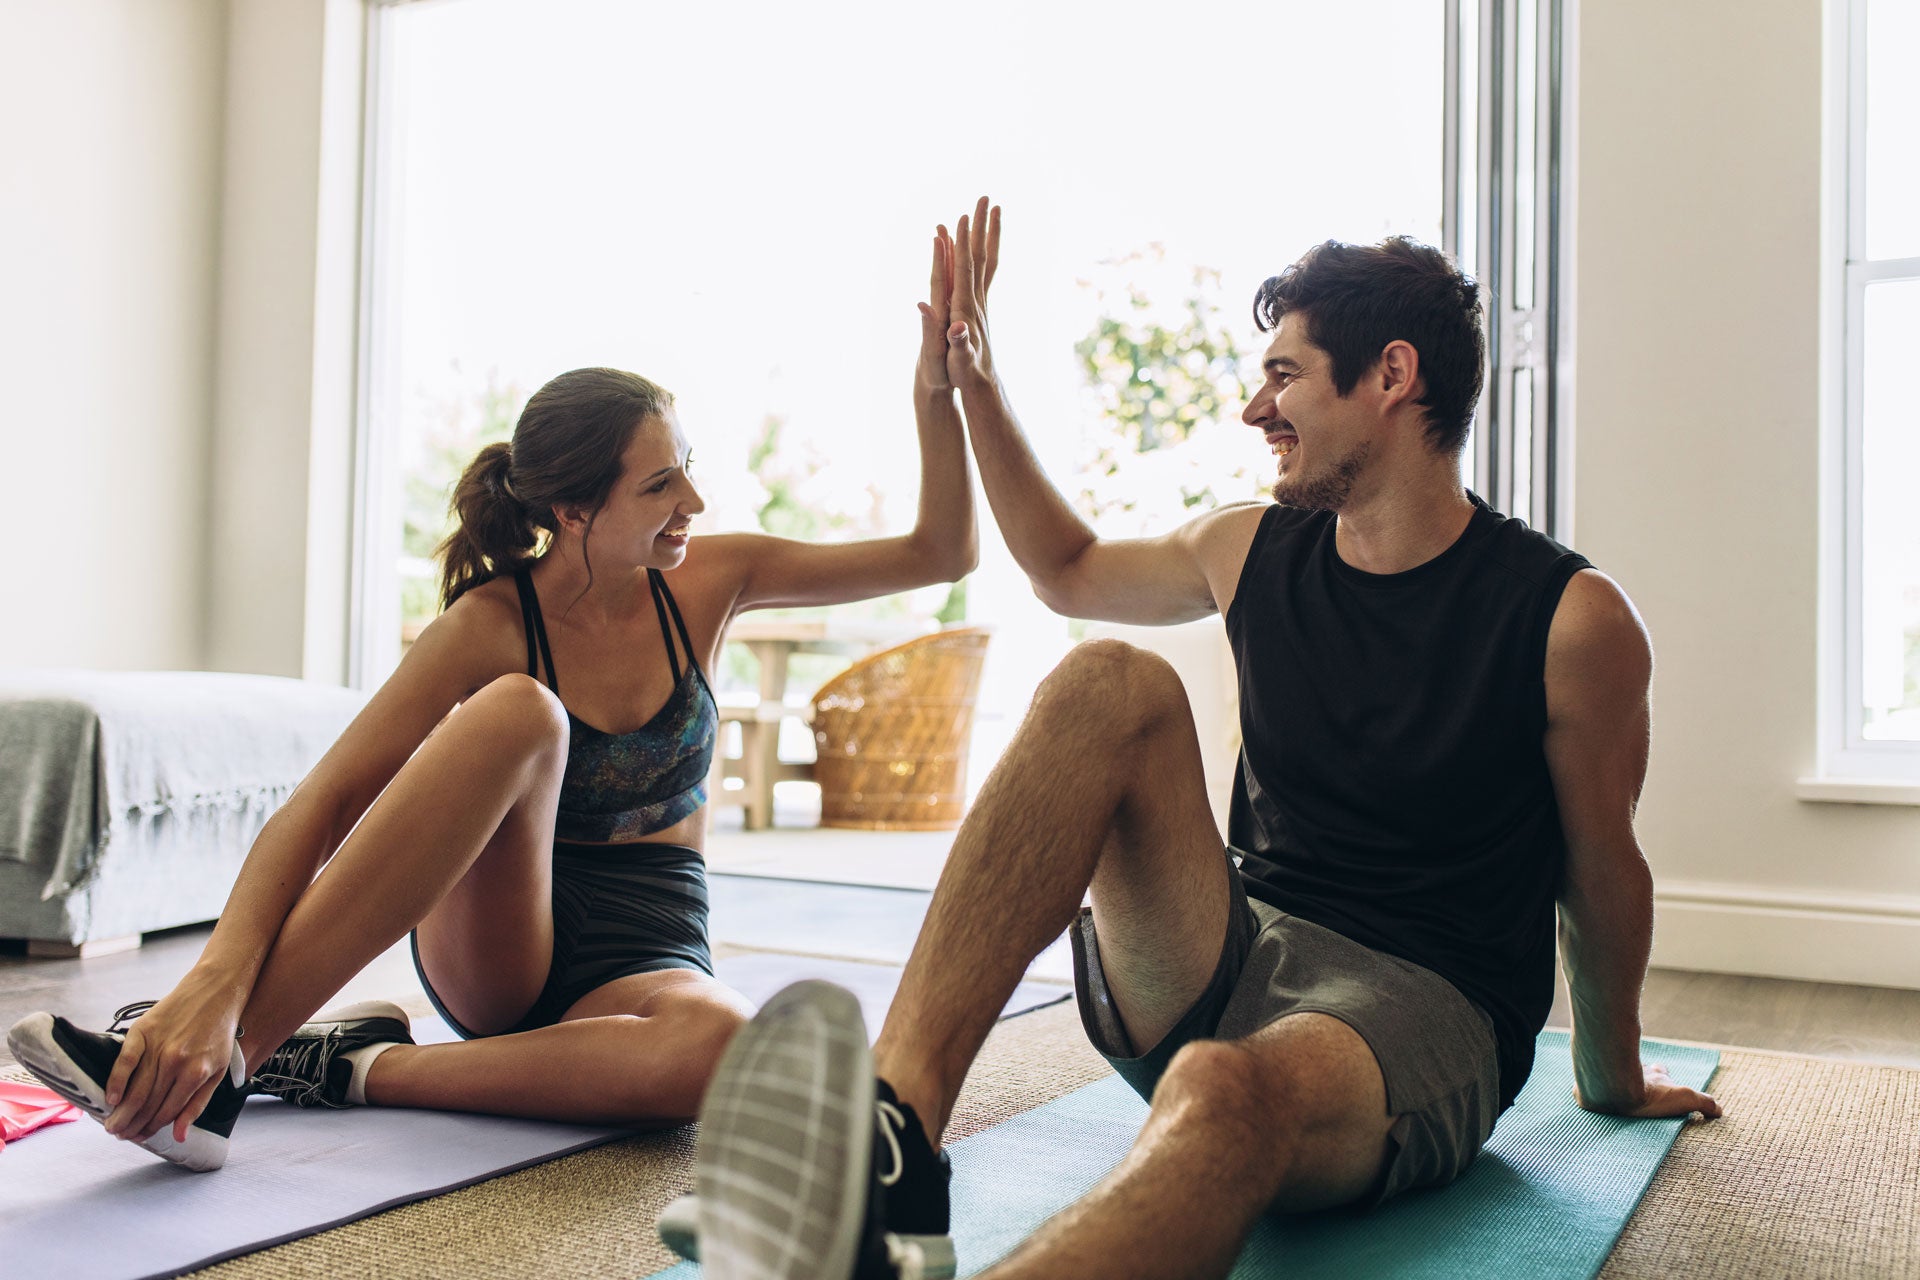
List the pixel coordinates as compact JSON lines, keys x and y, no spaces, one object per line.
{"x":759,"y":571}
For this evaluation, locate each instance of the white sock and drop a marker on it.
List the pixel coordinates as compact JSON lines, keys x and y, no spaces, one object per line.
{"x":362,"y":1060}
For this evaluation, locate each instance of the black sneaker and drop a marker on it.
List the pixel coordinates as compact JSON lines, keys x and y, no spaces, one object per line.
{"x":76,"y":1065}
{"x":802,"y":1158}
{"x":913,"y":1184}
{"x":915,"y":1180}
{"x":311,"y":1068}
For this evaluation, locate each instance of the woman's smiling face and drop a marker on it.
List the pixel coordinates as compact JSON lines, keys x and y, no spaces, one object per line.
{"x":646,"y":519}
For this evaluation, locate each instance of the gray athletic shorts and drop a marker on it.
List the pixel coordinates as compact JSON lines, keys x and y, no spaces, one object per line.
{"x":1434,"y":1046}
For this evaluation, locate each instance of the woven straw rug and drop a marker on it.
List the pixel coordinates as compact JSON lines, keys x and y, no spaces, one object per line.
{"x":1812,"y":1172}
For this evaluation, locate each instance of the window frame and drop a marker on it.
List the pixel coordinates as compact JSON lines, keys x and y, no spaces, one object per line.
{"x":1849,"y":766}
{"x":1512,"y":50}
{"x":373,"y":621}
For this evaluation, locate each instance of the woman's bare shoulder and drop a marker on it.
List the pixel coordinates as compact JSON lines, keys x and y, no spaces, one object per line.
{"x":481,"y":635}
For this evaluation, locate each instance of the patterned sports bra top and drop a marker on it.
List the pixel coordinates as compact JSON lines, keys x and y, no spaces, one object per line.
{"x":622,"y":786}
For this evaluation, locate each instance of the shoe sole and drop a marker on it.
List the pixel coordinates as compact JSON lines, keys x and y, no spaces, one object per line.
{"x":679,"y":1228}
{"x":32,"y":1044}
{"x":782,"y":1167}
{"x":365,"y":1011}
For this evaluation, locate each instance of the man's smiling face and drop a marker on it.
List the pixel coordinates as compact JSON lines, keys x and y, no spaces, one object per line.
{"x":1319,"y":438}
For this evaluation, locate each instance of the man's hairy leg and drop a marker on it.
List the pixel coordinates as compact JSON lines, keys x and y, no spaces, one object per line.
{"x":1293,"y":1117}
{"x":1102,"y":785}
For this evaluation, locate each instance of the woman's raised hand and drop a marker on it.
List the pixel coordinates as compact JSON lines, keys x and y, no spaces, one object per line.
{"x":976,"y":254}
{"x":930,"y":375}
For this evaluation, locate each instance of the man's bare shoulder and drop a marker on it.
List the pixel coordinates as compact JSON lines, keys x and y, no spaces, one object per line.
{"x":1599,"y":654}
{"x":1595,"y":612}
{"x":1220,"y":540}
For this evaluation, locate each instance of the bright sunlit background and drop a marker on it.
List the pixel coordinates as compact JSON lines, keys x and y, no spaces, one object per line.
{"x":738,"y":202}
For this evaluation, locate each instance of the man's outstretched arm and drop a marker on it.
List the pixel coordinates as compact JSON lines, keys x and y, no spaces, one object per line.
{"x":1166,"y":579}
{"x":1599,"y":667}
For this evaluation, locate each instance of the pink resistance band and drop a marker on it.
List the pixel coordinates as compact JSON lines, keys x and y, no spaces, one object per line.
{"x":26,"y":1107}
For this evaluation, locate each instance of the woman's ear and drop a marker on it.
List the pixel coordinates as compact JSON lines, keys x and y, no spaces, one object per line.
{"x":572,"y":519}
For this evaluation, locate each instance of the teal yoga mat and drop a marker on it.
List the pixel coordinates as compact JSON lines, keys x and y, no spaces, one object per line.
{"x":1546,"y":1199}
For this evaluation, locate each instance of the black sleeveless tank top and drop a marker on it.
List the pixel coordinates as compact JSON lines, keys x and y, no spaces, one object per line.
{"x":1393,"y":784}
{"x":619,"y":787}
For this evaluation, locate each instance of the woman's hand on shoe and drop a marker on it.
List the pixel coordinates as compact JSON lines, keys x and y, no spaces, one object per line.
{"x":171,"y":1062}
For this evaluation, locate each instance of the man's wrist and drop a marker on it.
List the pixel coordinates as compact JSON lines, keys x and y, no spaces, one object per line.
{"x":1615,"y":1090}
{"x":977,"y":382}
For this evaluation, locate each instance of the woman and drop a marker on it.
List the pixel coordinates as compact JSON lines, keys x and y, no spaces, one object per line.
{"x":542,"y":842}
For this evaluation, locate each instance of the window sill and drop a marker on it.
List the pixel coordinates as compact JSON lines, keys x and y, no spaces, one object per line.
{"x":1857,"y":791}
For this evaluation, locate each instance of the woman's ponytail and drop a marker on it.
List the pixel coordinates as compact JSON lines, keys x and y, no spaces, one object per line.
{"x":493,"y":533}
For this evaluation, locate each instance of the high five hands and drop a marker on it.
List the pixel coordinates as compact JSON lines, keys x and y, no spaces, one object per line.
{"x":953,"y":321}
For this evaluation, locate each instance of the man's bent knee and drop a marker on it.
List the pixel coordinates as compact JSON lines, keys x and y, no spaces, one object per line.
{"x":1308,"y":1142}
{"x":1109,"y":677}
{"x":1229,"y":1086}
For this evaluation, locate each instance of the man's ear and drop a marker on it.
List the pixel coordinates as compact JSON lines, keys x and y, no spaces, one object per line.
{"x":1399,"y":373}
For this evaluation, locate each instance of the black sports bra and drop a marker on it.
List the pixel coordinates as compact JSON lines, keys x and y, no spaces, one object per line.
{"x":622,"y":786}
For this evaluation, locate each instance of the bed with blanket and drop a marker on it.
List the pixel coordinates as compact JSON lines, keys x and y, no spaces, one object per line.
{"x":128,"y":799}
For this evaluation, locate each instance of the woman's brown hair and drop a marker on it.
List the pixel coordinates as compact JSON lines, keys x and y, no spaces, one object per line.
{"x":565,"y":452}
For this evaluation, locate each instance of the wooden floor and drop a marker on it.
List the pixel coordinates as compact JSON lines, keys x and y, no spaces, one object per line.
{"x":1860,"y":1024}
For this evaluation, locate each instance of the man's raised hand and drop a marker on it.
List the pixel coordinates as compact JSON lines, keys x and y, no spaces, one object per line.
{"x":976,"y":254}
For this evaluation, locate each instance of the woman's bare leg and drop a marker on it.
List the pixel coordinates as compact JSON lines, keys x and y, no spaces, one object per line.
{"x":637,"y":1050}
{"x":461,"y":845}
{"x":463,"y":832}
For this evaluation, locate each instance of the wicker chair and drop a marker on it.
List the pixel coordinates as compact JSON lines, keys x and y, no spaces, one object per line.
{"x":890,"y":734}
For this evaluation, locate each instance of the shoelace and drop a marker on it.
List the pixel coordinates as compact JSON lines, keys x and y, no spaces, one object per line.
{"x":893,"y":1122}
{"x":123,"y":1016}
{"x":301,"y":1063}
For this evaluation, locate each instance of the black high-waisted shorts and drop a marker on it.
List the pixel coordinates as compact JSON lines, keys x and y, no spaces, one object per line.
{"x":618,"y":910}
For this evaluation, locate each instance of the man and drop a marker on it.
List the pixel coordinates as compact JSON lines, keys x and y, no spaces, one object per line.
{"x":1445,"y":733}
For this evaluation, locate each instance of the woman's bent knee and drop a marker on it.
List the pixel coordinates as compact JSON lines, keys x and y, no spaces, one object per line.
{"x":519,"y":708}
{"x":695,"y":1034}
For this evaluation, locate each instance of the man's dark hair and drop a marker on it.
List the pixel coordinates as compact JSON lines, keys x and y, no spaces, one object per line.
{"x":1356,"y":298}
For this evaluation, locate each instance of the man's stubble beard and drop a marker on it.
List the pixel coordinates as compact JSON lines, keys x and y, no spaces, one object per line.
{"x":1329,"y":490}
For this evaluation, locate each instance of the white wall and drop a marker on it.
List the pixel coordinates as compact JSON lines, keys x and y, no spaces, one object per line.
{"x":110,"y":115}
{"x":1697,"y":416}
{"x":281,"y":481}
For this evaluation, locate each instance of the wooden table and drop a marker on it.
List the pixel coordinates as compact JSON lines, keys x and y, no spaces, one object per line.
{"x":773,"y":641}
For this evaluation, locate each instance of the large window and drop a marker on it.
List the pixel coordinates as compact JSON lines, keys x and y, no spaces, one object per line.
{"x":1871,"y":654}
{"x":737,"y":202}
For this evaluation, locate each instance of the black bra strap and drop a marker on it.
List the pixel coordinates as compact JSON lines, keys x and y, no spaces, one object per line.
{"x":536,"y":626}
{"x":660,"y":592}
